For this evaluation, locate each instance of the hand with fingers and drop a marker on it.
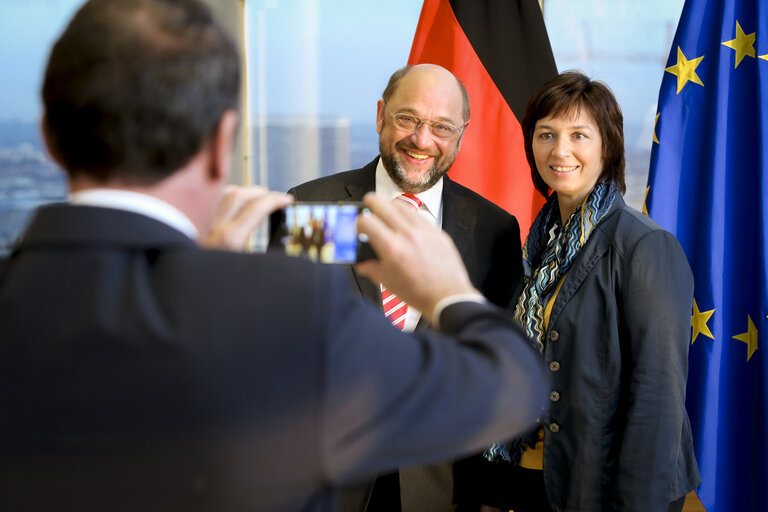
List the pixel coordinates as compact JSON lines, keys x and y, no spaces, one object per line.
{"x":240,"y":212}
{"x":416,"y":260}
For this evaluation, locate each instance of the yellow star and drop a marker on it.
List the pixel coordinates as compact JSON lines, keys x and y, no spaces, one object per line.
{"x":749,"y":337}
{"x":655,"y":139}
{"x":645,"y":199}
{"x":764,"y":57}
{"x":744,"y":44}
{"x":685,"y":70}
{"x":699,"y":322}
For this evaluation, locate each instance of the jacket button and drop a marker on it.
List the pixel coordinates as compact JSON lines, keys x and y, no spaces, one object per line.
{"x":554,"y":366}
{"x":553,"y":335}
{"x":554,"y":428}
{"x":554,"y":396}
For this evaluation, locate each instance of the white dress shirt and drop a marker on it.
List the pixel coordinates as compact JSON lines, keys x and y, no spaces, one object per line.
{"x":431,"y":209}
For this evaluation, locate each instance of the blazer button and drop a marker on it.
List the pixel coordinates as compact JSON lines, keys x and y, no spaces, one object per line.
{"x":554,"y":366}
{"x":554,"y":428}
{"x":554,"y":335}
{"x":554,"y":396}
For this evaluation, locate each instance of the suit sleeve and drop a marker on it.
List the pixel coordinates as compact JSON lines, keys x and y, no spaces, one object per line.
{"x":394,"y":399}
{"x":657,"y":297}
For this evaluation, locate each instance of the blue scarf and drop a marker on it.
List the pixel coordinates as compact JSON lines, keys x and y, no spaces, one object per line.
{"x":546,"y":259}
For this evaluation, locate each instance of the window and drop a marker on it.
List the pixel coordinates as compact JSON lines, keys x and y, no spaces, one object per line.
{"x":315,"y":72}
{"x":28,"y":178}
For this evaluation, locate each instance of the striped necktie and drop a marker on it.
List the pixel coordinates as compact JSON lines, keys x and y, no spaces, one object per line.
{"x":394,"y":307}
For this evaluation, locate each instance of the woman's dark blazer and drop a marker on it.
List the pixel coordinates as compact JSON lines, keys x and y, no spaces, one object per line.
{"x":617,"y":435}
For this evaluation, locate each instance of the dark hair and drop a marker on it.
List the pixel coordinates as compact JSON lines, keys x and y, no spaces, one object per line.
{"x":564,"y":95}
{"x":394,"y":82}
{"x":134,"y":88}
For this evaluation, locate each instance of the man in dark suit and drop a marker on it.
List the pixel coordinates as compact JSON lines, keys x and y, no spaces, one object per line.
{"x":421,"y":119}
{"x":141,"y":372}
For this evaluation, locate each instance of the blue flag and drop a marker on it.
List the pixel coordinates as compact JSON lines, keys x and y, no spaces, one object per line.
{"x":708,"y":185}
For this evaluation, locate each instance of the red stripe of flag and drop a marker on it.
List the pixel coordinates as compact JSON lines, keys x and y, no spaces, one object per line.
{"x":492,"y":159}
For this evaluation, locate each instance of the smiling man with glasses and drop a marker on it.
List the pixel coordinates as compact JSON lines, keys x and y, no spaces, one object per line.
{"x":421,"y":119}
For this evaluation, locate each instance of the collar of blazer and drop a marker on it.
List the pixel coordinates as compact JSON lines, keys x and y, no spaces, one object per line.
{"x":62,"y":226}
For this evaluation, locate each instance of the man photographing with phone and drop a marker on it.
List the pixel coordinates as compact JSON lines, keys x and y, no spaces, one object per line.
{"x":141,"y":372}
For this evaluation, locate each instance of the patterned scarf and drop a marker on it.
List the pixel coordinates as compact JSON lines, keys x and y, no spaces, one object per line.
{"x":546,"y":259}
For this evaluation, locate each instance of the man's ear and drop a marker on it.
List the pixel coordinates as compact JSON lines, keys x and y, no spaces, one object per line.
{"x":48,"y":140}
{"x":222,"y":142}
{"x":379,"y":116}
{"x":461,"y":137}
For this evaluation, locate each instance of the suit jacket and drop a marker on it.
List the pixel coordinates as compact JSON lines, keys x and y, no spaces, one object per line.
{"x":139,"y":372}
{"x":488,"y":239}
{"x":620,"y":329}
{"x":617,"y":435}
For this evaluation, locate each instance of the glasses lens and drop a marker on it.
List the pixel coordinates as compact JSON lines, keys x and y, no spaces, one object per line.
{"x":442,"y":131}
{"x":406,"y":122}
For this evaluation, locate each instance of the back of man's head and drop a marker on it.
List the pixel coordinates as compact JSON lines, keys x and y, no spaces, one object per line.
{"x":134,"y":88}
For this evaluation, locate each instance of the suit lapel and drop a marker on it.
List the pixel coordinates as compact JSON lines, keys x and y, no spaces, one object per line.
{"x":362,"y":181}
{"x":459,"y":218}
{"x":356,"y":191}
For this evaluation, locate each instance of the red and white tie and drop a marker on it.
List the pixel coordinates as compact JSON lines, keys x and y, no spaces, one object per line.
{"x":394,"y":307}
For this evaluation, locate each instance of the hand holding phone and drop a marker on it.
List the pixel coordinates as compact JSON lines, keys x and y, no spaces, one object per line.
{"x":240,"y":211}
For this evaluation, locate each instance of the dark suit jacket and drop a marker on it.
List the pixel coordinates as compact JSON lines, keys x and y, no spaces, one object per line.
{"x":139,"y":372}
{"x":617,"y":435}
{"x":488,"y":239}
{"x":620,"y":328}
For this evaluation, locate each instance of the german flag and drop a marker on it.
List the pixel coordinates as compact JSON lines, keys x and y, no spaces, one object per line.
{"x":500,"y":50}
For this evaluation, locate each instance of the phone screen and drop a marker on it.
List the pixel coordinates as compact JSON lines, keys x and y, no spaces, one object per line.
{"x":322,"y":232}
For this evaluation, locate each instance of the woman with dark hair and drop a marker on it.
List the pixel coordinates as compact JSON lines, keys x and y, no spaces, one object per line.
{"x":606,"y":298}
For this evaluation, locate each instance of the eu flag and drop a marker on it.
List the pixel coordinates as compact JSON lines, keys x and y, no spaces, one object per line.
{"x":709,"y":186}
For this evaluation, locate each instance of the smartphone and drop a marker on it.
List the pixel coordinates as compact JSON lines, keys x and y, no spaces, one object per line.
{"x":324,"y":232}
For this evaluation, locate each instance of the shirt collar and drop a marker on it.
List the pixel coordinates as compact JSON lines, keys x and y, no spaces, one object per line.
{"x":137,"y":203}
{"x":431,"y":199}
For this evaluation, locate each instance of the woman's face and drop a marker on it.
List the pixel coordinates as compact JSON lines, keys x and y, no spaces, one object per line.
{"x":568,"y":151}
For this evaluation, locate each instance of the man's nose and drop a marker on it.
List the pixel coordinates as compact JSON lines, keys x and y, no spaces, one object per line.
{"x":422,"y":136}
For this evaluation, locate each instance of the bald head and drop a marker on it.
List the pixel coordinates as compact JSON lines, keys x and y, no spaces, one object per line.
{"x":432,"y":77}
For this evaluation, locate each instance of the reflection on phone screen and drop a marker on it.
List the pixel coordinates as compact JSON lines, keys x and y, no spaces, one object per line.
{"x":326,"y":233}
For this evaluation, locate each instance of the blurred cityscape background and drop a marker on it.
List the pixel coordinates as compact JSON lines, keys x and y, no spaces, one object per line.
{"x":315,"y":72}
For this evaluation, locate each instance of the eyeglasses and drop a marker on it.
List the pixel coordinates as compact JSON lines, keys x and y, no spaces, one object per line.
{"x":410,"y":123}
